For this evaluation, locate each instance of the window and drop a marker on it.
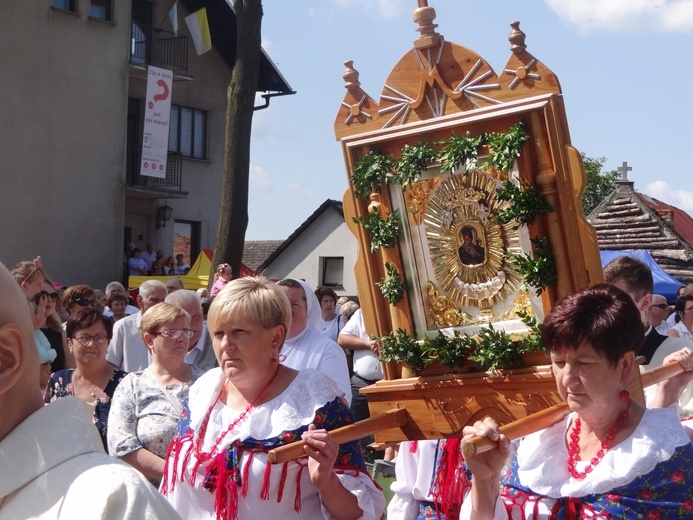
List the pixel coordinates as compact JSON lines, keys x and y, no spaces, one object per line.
{"x":186,"y":239}
{"x":188,"y":132}
{"x":101,"y":9}
{"x":332,"y":271}
{"x":65,"y":5}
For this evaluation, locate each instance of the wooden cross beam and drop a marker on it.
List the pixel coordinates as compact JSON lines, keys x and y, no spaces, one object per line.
{"x":624,"y":169}
{"x":408,"y":420}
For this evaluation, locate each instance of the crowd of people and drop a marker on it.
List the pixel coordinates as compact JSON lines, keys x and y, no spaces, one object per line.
{"x":185,"y":393}
{"x":134,"y":365}
{"x":153,"y":263}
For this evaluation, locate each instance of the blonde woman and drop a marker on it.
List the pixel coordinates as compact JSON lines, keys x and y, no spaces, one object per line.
{"x":147,"y":404}
{"x":30,"y":277}
{"x":217,"y":465}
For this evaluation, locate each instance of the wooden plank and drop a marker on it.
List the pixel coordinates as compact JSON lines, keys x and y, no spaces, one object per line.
{"x":389,"y":419}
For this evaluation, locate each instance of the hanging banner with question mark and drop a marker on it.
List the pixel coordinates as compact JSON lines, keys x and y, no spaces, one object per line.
{"x":156,"y":121}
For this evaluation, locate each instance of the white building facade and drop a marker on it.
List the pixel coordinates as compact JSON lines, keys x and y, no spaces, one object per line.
{"x":74,"y":80}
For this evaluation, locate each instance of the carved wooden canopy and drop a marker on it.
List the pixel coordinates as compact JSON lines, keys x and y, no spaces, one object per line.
{"x":438,"y":78}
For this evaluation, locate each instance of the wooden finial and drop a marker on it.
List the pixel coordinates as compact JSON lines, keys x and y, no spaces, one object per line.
{"x":351,"y":76}
{"x":424,"y":16}
{"x":516,"y":38}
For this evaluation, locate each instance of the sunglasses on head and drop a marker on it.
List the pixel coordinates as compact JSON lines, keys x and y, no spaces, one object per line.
{"x":85,"y":302}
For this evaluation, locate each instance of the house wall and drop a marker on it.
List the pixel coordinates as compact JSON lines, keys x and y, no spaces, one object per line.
{"x":62,"y":146}
{"x":65,"y":81}
{"x":327,"y":236}
{"x":200,"y":179}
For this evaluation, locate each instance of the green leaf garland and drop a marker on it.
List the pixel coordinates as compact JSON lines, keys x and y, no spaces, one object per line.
{"x":526,"y":206}
{"x":370,"y":172}
{"x":391,"y":286}
{"x":384,"y":232}
{"x":540,"y":271}
{"x":414,"y":160}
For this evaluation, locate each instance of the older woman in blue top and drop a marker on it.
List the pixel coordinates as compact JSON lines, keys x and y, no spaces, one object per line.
{"x":94,"y":380}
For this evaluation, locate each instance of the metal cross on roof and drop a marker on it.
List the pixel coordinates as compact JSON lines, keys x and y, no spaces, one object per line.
{"x":624,"y":169}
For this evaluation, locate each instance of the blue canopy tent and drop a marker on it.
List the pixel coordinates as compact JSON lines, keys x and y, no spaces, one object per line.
{"x":664,"y":284}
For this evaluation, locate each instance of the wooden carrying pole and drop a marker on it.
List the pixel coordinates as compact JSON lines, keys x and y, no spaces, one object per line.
{"x":397,"y":417}
{"x":390,"y":419}
{"x":545,"y":418}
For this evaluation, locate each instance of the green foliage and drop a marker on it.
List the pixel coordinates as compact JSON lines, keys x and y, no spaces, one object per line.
{"x":598,"y":184}
{"x":391,"y":286}
{"x":384,"y":232}
{"x":489,"y":349}
{"x":401,"y":346}
{"x":495,"y":349}
{"x":526,"y":206}
{"x":532,"y":341}
{"x":374,"y":169}
{"x":415,"y":159}
{"x":451,"y":352}
{"x":540,"y":271}
{"x":370,"y":172}
{"x":506,"y":146}
{"x":460,"y":151}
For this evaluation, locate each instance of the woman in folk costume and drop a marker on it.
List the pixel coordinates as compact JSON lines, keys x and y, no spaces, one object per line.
{"x":610,"y":457}
{"x":217,"y":465}
{"x":431,"y":481}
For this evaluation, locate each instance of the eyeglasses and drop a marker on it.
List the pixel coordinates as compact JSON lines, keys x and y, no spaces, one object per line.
{"x":176,"y":333}
{"x":85,"y":339}
{"x":662,"y":306}
{"x":85,"y":302}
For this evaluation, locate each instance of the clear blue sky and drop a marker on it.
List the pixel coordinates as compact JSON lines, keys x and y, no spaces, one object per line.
{"x":624,"y":69}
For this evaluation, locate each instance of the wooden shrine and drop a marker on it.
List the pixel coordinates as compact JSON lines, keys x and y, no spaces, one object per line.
{"x":444,"y":106}
{"x":451,"y":252}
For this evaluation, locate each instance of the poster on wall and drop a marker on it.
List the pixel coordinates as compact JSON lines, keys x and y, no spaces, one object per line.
{"x":156,"y":120}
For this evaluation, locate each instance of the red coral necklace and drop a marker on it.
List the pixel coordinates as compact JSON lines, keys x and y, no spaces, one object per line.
{"x":203,"y":456}
{"x":574,"y":445}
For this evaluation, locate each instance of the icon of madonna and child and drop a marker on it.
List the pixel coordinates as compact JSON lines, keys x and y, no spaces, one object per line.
{"x":471,"y":251}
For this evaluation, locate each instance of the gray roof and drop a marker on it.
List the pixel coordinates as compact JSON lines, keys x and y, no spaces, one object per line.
{"x":625,"y":221}
{"x":255,"y":252}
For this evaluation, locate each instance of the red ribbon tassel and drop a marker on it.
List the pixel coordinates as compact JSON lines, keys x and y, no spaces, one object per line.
{"x":246,"y":474}
{"x":450,"y":480}
{"x":264,"y":492}
{"x":282,"y":481}
{"x":297,"y":498}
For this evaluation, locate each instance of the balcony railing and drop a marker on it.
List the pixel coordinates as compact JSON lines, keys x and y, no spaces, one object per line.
{"x":160,"y":48}
{"x":174,"y":172}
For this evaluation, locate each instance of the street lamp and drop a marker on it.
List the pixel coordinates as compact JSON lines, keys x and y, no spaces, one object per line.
{"x":163,"y":215}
